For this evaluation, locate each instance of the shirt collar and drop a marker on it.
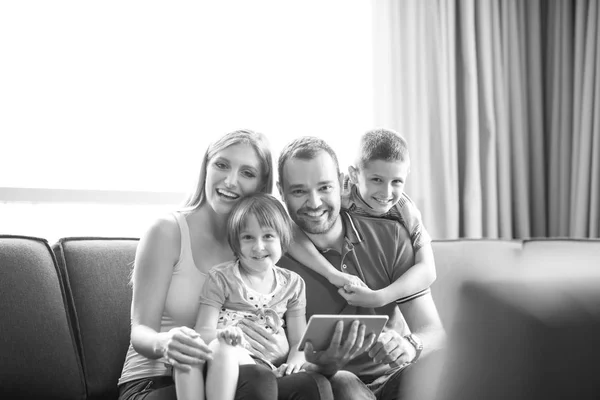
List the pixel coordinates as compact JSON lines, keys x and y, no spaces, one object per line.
{"x":351,"y":232}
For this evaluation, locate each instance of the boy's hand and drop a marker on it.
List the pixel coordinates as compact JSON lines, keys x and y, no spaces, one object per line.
{"x":361,"y":296}
{"x":288,"y":369}
{"x":232,"y":335}
{"x":341,"y":280}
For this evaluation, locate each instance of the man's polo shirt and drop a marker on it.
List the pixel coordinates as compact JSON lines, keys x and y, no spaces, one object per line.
{"x":376,"y":250}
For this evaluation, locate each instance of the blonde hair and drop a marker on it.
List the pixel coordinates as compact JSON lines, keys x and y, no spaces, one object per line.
{"x":259,"y":143}
{"x":269,"y":212}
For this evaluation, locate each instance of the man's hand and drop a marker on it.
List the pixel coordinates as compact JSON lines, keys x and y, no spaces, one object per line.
{"x":361,"y":296}
{"x":274,"y":348}
{"x":393,"y":349}
{"x":339,"y":354}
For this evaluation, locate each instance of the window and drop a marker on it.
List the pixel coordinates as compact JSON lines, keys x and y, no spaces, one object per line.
{"x":123,"y":96}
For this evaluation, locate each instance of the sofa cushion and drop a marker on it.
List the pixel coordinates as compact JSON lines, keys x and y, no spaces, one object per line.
{"x":39,"y":356}
{"x":97,"y":271}
{"x":531,"y":336}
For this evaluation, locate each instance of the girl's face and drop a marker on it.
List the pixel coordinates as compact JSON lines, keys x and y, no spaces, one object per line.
{"x":260,"y":247}
{"x":231,"y":174}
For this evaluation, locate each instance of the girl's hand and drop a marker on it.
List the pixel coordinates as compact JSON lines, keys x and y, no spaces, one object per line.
{"x":341,"y":279}
{"x":183,"y":348}
{"x":288,"y":369}
{"x":274,"y":348}
{"x":361,"y":296}
{"x":232,"y":335}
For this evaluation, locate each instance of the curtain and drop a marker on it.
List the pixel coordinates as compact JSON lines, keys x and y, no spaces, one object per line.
{"x":500,"y":103}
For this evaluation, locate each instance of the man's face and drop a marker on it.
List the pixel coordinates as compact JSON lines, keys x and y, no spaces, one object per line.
{"x":311,"y":191}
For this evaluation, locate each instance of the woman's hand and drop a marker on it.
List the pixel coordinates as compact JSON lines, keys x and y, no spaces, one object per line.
{"x":274,"y":348}
{"x":183,"y":347}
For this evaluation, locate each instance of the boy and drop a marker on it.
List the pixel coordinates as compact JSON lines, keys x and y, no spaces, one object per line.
{"x":376,"y":189}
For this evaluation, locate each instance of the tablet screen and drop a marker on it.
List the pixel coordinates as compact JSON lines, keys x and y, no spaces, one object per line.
{"x":320,"y":328}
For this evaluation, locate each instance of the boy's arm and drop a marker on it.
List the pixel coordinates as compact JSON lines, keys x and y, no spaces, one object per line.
{"x":304,"y":251}
{"x":415,"y":280}
{"x":411,"y":284}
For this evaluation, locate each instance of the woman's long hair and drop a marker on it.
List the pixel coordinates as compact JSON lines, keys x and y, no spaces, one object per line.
{"x":259,"y":143}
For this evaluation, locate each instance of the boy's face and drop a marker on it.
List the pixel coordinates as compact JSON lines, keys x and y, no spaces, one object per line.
{"x":380,"y":183}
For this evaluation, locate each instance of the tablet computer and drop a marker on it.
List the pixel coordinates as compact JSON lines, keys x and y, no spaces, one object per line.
{"x":320,"y":328}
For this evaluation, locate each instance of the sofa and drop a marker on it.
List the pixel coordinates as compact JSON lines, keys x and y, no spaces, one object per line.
{"x":65,"y":308}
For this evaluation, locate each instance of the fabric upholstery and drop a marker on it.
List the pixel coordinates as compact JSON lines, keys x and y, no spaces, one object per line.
{"x":97,"y":272}
{"x":457,"y":260}
{"x":38,"y":357}
{"x":533,"y":337}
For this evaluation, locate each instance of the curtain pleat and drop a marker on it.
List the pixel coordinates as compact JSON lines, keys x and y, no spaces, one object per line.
{"x":487,"y":119}
{"x":534,"y":103}
{"x":503,"y":136}
{"x":594,"y":206}
{"x":468,"y":124}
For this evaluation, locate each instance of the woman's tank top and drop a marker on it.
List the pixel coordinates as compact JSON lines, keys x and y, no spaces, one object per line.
{"x":181,"y":307}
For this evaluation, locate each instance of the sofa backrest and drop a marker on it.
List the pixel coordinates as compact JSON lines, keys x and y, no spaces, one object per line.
{"x":457,"y":260}
{"x":97,"y":272}
{"x":38,"y":354}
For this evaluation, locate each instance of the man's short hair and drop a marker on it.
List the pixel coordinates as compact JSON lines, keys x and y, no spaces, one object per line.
{"x":383,"y":145}
{"x":305,"y":148}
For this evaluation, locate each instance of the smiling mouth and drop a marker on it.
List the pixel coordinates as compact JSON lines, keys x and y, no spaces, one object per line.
{"x":227,"y":194}
{"x":259,"y":258}
{"x":314,"y":214}
{"x":382,"y":201}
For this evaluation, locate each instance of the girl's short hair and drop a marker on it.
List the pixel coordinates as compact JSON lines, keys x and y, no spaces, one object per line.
{"x":268,"y":211}
{"x":259,"y":143}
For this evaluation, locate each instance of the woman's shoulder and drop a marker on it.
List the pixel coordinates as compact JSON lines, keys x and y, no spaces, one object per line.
{"x":164,"y":233}
{"x":164,"y":226}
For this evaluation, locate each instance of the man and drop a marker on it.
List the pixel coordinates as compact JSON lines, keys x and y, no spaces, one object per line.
{"x":374,"y":249}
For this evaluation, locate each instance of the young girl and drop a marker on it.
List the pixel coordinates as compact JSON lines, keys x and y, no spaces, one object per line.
{"x":251,"y":287}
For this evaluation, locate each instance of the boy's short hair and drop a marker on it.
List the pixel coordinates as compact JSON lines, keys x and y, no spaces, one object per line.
{"x":381,"y":144}
{"x":268,"y":211}
{"x":305,"y":148}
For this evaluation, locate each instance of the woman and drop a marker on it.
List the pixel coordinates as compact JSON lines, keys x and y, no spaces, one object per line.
{"x":171,"y":263}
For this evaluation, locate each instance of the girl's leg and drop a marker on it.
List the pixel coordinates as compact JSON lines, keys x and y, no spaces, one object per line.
{"x":189,"y":385}
{"x":223,"y":370}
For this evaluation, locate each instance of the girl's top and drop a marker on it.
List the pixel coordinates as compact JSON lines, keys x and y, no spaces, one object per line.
{"x":181,"y":308}
{"x":226,"y":291}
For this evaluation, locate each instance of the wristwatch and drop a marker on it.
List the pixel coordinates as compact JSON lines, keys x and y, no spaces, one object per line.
{"x":417,"y":344}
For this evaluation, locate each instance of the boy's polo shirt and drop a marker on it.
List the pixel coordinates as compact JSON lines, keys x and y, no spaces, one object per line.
{"x":376,"y":250}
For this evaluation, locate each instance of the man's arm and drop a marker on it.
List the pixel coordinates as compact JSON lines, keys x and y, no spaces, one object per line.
{"x":423,"y":320}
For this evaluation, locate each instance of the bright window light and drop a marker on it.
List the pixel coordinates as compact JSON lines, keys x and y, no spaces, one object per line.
{"x":125,"y":95}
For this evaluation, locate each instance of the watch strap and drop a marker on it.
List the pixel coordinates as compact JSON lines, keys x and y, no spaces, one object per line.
{"x":417,"y":344}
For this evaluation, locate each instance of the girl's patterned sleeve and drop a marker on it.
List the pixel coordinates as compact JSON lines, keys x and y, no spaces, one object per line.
{"x":214,"y":290}
{"x":297,"y":301}
{"x":411,"y":216}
